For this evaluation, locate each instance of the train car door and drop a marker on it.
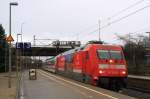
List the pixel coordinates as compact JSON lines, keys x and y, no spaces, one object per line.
{"x":77,"y":62}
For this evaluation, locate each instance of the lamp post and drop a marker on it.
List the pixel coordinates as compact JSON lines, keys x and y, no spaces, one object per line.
{"x":18,"y":55}
{"x":17,"y":37}
{"x":22,"y":29}
{"x":22,"y":62}
{"x":11,"y":4}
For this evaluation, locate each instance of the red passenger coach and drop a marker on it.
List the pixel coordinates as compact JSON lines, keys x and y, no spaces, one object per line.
{"x":60,"y":63}
{"x":95,"y":63}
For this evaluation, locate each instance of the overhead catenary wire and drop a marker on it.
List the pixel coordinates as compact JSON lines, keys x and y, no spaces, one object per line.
{"x":123,"y":10}
{"x":88,"y":28}
{"x":114,"y":15}
{"x":119,"y":19}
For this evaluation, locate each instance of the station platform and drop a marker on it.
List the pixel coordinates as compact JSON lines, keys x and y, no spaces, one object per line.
{"x":5,"y":92}
{"x":51,"y":86}
{"x":139,"y":77}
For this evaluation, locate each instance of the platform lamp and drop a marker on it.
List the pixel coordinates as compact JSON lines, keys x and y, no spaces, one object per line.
{"x":10,"y":5}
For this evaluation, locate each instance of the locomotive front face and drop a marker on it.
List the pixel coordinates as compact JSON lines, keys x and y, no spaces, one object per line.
{"x":111,"y":63}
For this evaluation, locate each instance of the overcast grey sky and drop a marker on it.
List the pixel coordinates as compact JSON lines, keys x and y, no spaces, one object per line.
{"x":74,"y":19}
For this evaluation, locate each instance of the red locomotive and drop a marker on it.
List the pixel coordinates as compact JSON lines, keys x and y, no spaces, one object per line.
{"x":95,"y":63}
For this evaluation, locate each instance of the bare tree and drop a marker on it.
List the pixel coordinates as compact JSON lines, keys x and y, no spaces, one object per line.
{"x":134,"y":50}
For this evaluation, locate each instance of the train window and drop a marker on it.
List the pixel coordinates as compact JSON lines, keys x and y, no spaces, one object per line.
{"x":116,"y":54}
{"x":103,"y":54}
{"x":69,"y":58}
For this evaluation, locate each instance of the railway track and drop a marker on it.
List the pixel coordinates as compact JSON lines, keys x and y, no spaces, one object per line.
{"x":139,"y":84}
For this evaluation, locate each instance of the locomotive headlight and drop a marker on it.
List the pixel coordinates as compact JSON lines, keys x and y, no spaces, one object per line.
{"x":123,"y":72}
{"x":100,"y":71}
{"x":120,"y":66}
{"x":103,"y":66}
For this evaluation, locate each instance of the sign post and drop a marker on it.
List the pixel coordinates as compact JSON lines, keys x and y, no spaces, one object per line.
{"x":9,"y":39}
{"x":23,"y":46}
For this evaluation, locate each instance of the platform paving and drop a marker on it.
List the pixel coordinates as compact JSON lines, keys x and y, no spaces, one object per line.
{"x":47,"y":86}
{"x":5,"y":92}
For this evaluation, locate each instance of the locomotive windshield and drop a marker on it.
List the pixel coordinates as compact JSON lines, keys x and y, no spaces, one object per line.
{"x":106,"y":54}
{"x":103,"y":54}
{"x":116,"y":54}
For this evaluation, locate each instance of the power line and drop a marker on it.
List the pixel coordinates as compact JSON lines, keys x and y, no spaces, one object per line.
{"x":116,"y":14}
{"x":118,"y":20}
{"x":84,"y":30}
{"x":115,"y":21}
{"x":129,"y":7}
